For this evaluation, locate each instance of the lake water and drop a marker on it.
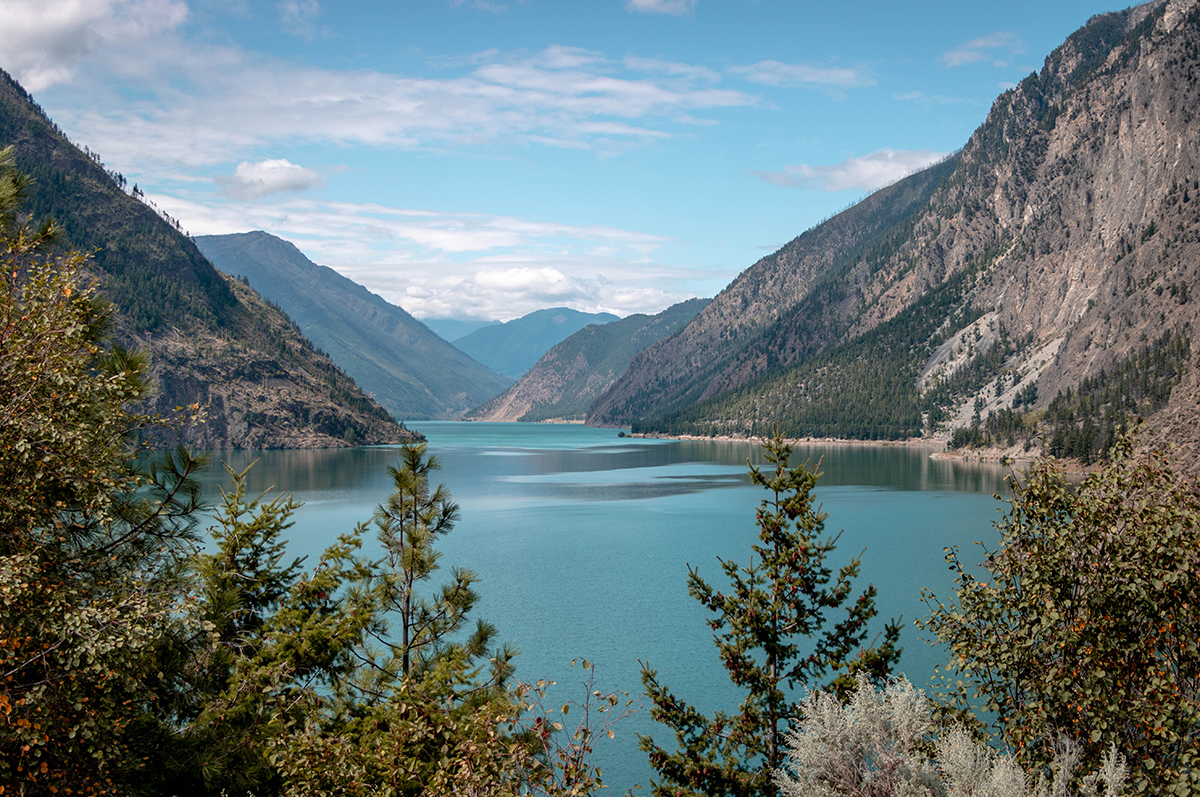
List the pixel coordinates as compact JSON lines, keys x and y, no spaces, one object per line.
{"x":582,"y":541}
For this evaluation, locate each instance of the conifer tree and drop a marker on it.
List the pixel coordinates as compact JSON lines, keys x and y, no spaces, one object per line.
{"x":788,"y":621}
{"x":414,"y":516}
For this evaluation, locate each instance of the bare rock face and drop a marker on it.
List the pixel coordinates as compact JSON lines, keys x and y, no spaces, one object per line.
{"x":1072,"y":217}
{"x":258,"y":384}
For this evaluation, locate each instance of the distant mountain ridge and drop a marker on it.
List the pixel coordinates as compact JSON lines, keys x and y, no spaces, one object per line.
{"x":451,"y":329}
{"x":512,"y":348}
{"x":577,"y":371}
{"x":1060,"y":246}
{"x":209,"y":339}
{"x":393,"y":356}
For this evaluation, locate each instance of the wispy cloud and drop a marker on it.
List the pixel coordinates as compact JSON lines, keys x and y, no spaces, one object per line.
{"x":210,"y":105}
{"x":299,"y":18}
{"x":676,"y":8}
{"x":672,"y":68}
{"x":865,"y":173}
{"x":438,"y":264}
{"x":984,"y":48}
{"x":274,"y":176}
{"x":783,"y":75}
{"x":921,"y":98}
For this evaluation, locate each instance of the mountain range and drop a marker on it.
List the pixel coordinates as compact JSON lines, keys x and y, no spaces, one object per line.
{"x":210,"y":339}
{"x":399,"y":361}
{"x":577,"y":371}
{"x":512,"y":348}
{"x":1026,"y":278}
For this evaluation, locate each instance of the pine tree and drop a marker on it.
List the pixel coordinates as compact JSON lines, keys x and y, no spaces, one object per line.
{"x":414,"y":516}
{"x":787,"y":621}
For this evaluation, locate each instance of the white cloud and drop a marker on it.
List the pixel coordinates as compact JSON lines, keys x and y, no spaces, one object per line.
{"x":437,"y":264}
{"x":676,"y":8}
{"x":864,"y":173}
{"x":482,"y":5}
{"x":43,"y":41}
{"x":273,"y":176}
{"x":983,"y":48}
{"x":673,"y":68}
{"x":781,"y":75}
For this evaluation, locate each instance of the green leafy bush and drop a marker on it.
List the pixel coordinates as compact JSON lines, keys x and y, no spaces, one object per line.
{"x":1085,"y":624}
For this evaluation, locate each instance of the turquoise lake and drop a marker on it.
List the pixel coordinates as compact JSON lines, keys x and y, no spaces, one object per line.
{"x":582,"y":541}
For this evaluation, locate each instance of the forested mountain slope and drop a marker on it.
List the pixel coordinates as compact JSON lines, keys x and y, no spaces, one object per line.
{"x":210,"y":340}
{"x":573,"y":374}
{"x":394,"y":357}
{"x":1062,"y":243}
{"x":514,"y":347}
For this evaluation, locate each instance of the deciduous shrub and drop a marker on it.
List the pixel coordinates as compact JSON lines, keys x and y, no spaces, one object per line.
{"x":1085,"y":622}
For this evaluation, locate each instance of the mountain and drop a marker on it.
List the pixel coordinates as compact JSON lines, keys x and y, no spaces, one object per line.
{"x":576,"y":372}
{"x":451,"y":329}
{"x":1053,"y":259}
{"x":391,"y":355}
{"x":210,"y":340}
{"x":512,"y":348}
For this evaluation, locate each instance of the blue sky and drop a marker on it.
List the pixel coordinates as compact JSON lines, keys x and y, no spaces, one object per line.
{"x":481,"y":159}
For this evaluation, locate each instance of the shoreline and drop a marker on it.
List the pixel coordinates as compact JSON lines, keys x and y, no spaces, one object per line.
{"x":913,"y":442}
{"x":1016,"y":457}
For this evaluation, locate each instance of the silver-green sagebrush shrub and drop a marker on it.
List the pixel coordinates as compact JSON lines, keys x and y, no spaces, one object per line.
{"x":883,"y":743}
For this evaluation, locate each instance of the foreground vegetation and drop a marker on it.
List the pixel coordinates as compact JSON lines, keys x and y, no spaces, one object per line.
{"x":134,"y":662}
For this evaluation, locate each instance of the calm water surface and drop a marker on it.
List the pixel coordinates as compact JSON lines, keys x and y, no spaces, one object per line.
{"x":582,"y":541}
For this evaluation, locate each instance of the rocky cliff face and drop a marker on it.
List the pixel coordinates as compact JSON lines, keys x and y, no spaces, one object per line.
{"x":211,"y":341}
{"x":1070,"y":218}
{"x":259,"y":384}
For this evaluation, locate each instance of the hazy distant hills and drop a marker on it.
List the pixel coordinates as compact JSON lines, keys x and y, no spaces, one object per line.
{"x":451,"y":329}
{"x":512,"y":348}
{"x":573,"y":374}
{"x":394,"y":357}
{"x":210,"y":340}
{"x":1058,"y":248}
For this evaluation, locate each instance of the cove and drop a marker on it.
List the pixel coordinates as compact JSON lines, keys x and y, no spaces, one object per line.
{"x":582,"y":540}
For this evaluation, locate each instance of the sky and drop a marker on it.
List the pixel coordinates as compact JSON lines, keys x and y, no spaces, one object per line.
{"x":481,"y":159}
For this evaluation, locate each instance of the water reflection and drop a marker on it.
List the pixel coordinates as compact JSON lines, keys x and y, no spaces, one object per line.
{"x":635,"y":468}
